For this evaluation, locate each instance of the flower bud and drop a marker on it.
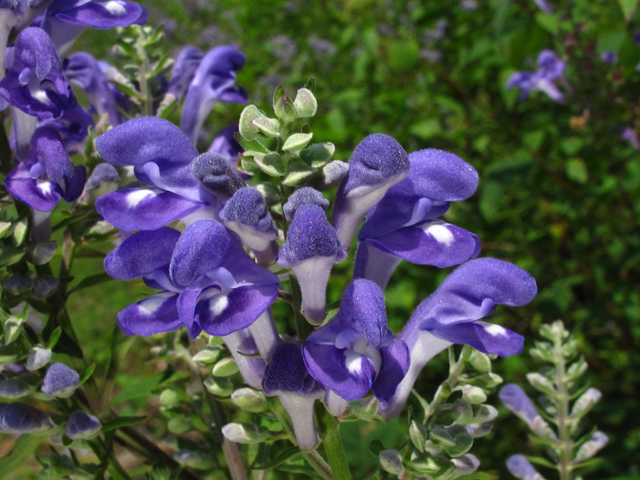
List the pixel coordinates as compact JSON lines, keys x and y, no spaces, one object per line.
{"x":14,"y":388}
{"x":12,"y":329}
{"x":225,"y":368}
{"x":305,"y":103}
{"x":480,"y":361}
{"x":60,"y":381}
{"x":208,"y":356}
{"x":590,"y":448}
{"x":585,"y":402}
{"x":82,"y":426}
{"x":418,"y":434}
{"x":250,"y":400}
{"x":38,"y":357}
{"x":285,"y":110}
{"x":244,"y":433}
{"x":473,"y":395}
{"x":219,"y":386}
{"x":297,"y":142}
{"x":169,"y":399}
{"x":197,"y":460}
{"x":541,"y":383}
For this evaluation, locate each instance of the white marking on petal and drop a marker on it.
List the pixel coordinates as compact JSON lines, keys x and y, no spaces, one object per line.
{"x":152,"y":304}
{"x":373,"y":354}
{"x":45,"y":187}
{"x":439,"y":232}
{"x":41,"y":96}
{"x":218,"y":304}
{"x":135,"y":197}
{"x":494,"y":330}
{"x":115,"y":7}
{"x":353,"y":362}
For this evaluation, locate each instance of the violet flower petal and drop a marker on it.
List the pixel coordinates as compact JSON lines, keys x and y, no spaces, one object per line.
{"x":142,"y":253}
{"x":226,"y":145}
{"x":184,"y":70}
{"x":20,"y":418}
{"x":303,"y":196}
{"x":82,"y":426}
{"x":144,"y":209}
{"x":154,"y":314}
{"x":216,"y":174}
{"x":520,"y":468}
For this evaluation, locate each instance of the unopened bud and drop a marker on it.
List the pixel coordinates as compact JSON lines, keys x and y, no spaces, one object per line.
{"x":208,"y":356}
{"x":285,"y":110}
{"x":391,"y":461}
{"x":305,"y":103}
{"x":541,"y":383}
{"x":12,"y":329}
{"x":169,"y":398}
{"x":480,"y":361}
{"x":38,"y":357}
{"x":225,"y":368}
{"x":297,"y":142}
{"x":219,"y":386}
{"x":244,"y":433}
{"x":250,"y":400}
{"x":473,"y":395}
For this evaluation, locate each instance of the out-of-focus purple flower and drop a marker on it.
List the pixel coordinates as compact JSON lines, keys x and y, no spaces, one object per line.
{"x":214,"y":81}
{"x":65,"y":20}
{"x":609,"y":57}
{"x":82,"y":426}
{"x":404,"y":224}
{"x":20,"y":418}
{"x":516,"y":400}
{"x":453,"y":313}
{"x":321,"y":46}
{"x":34,"y":82}
{"x":310,"y":249}
{"x":544,"y":6}
{"x":630,"y":135}
{"x":13,"y":388}
{"x":206,"y":279}
{"x":47,"y":174}
{"x":184,"y":69}
{"x":468,"y":5}
{"x":283,"y":48}
{"x":356,"y":351}
{"x":73,"y":127}
{"x":377,"y":163}
{"x":60,"y":381}
{"x":226,"y":145}
{"x":104,"y":179}
{"x":10,"y":14}
{"x":588,"y":449}
{"x":83,"y":70}
{"x":520,"y":468}
{"x":550,"y":68}
{"x":161,"y":156}
{"x":288,"y":378}
{"x":246,"y":213}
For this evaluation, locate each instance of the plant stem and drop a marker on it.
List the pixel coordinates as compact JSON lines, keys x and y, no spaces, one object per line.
{"x":332,"y":441}
{"x":455,"y":370}
{"x":566,"y":442}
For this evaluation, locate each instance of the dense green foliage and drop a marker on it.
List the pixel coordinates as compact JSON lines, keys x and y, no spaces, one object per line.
{"x":559,"y":192}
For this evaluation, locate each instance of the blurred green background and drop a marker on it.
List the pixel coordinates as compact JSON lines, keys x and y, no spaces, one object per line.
{"x":559,"y":189}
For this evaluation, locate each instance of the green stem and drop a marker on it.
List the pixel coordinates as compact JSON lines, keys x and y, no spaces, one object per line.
{"x":332,"y":441}
{"x":303,"y":326}
{"x":566,"y":442}
{"x":5,"y":149}
{"x":455,"y":370}
{"x":147,"y":101}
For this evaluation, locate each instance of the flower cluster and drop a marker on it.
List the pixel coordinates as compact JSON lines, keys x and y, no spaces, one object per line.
{"x":550,"y":68}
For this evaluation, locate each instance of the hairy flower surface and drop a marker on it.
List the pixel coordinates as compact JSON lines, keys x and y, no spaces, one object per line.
{"x":207,"y":280}
{"x":404,"y":224}
{"x":356,"y":351}
{"x":20,"y":418}
{"x":60,"y":381}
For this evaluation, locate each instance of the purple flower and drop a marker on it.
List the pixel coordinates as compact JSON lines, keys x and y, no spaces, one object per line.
{"x":10,"y":14}
{"x":377,"y":163}
{"x":287,"y":377}
{"x":550,"y":69}
{"x":246,"y":213}
{"x":356,"y":351}
{"x":47,"y":174}
{"x":82,"y":426}
{"x":206,"y":279}
{"x":303,"y":196}
{"x":21,"y":418}
{"x":161,"y":156}
{"x":226,"y":145}
{"x":65,"y":20}
{"x":520,"y":468}
{"x":14,"y":388}
{"x":184,"y":70}
{"x":311,"y":248}
{"x":452,"y":315}
{"x":83,"y":70}
{"x":514,"y":398}
{"x":214,"y":81}
{"x":60,"y":381}
{"x":544,"y":6}
{"x":630,"y":135}
{"x":217,"y":175}
{"x":73,"y":127}
{"x":404,"y":225}
{"x":609,"y":57}
{"x":34,"y":82}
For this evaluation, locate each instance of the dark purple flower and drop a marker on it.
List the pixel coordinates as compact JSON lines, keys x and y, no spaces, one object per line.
{"x":544,"y":6}
{"x":206,"y":279}
{"x":47,"y":174}
{"x":377,"y":163}
{"x":184,"y":70}
{"x":303,"y":196}
{"x":21,"y":418}
{"x":217,"y":175}
{"x":310,"y":249}
{"x":453,"y":313}
{"x":520,"y":468}
{"x":213,"y":82}
{"x":609,"y":57}
{"x":287,"y":377}
{"x":356,"y":351}
{"x":550,"y":68}
{"x":73,"y":127}
{"x":65,"y":20}
{"x":82,"y":426}
{"x":247,"y":214}
{"x":161,"y":156}
{"x":83,"y":70}
{"x":34,"y":82}
{"x":60,"y":381}
{"x":13,"y":388}
{"x":226,"y":145}
{"x":404,"y":224}
{"x":630,"y":135}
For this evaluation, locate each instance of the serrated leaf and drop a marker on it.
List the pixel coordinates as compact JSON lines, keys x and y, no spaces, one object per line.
{"x":278,"y":459}
{"x":121,"y":422}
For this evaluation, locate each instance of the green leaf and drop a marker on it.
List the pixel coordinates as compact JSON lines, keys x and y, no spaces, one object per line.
{"x":24,"y":448}
{"x":91,"y":281}
{"x":479,"y":476}
{"x":251,"y":144}
{"x":86,"y":374}
{"x":121,"y":422}
{"x":426,"y":129}
{"x":628,"y":8}
{"x":278,"y":459}
{"x":541,"y":461}
{"x":550,"y":23}
{"x":10,"y":255}
{"x":302,"y":469}
{"x":577,"y":170}
{"x":54,"y":337}
{"x":138,"y":388}
{"x":375,"y":447}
